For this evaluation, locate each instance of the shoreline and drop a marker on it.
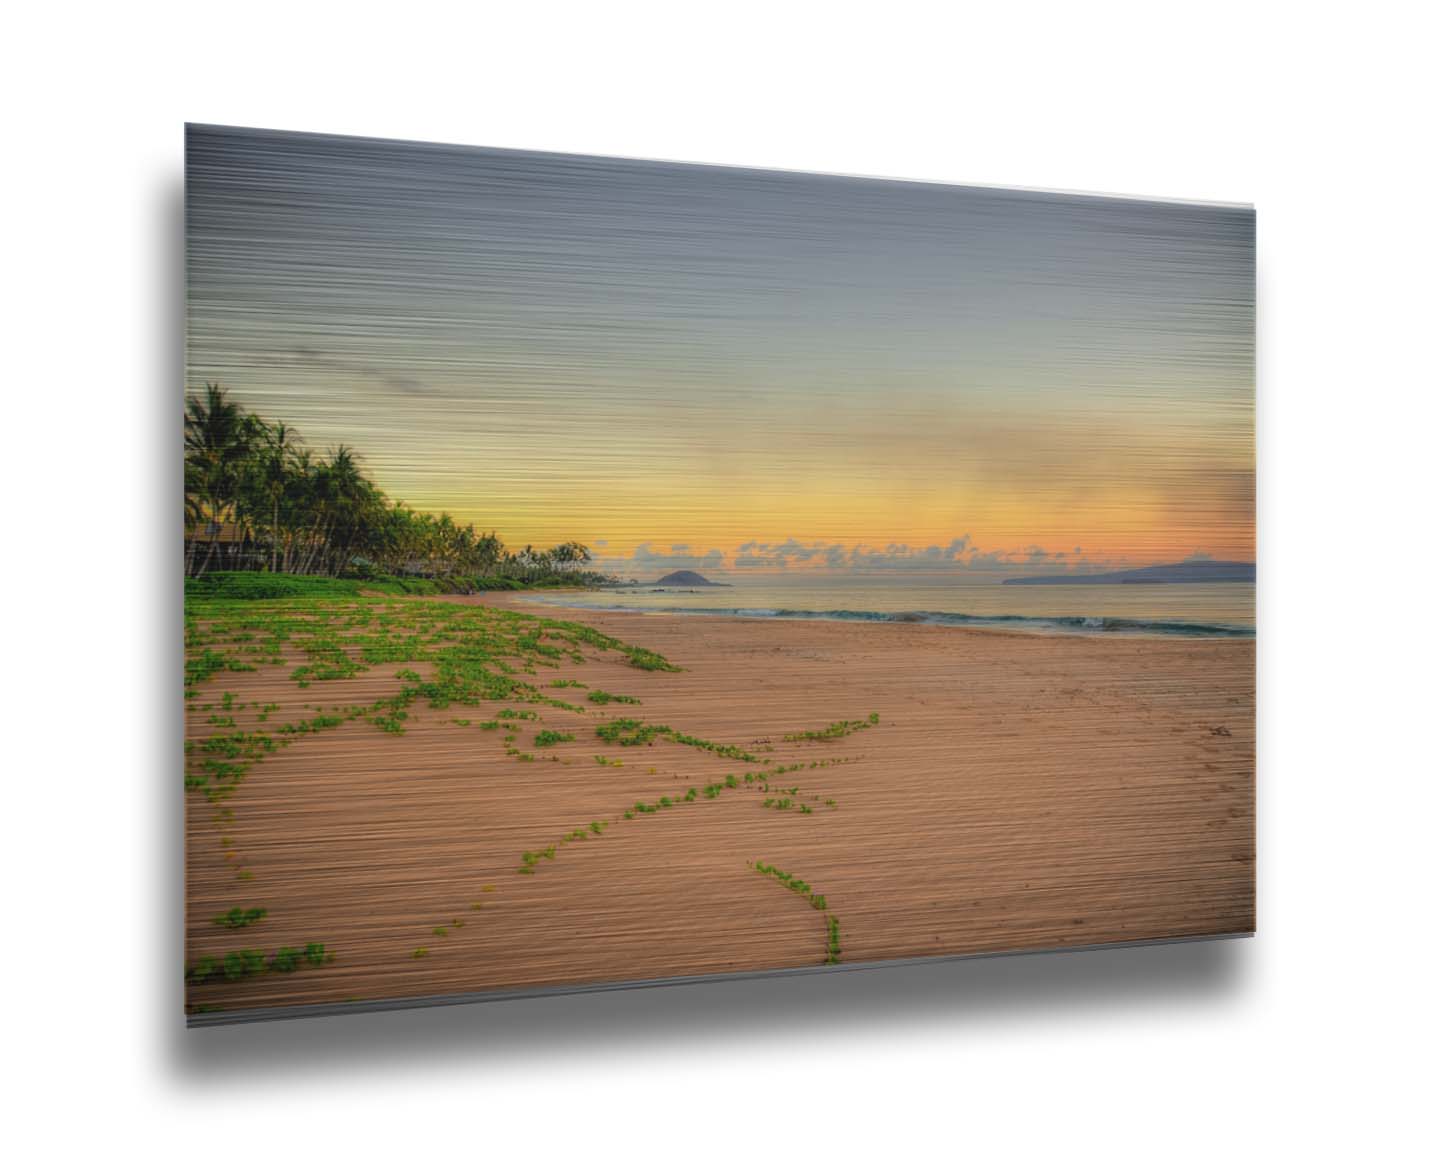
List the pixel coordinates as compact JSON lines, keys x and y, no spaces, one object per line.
{"x":1016,"y":624}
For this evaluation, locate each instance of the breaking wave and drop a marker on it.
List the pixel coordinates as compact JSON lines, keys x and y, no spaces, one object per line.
{"x":1075,"y":624}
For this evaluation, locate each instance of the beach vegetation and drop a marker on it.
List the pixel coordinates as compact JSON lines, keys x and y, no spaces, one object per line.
{"x":238,"y":917}
{"x":335,"y":619}
{"x":248,"y":962}
{"x":600,"y":696}
{"x":285,"y":960}
{"x":651,"y":661}
{"x":816,"y":900}
{"x":835,"y":731}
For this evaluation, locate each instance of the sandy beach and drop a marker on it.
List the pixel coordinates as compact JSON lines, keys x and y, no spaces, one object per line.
{"x":1018,"y":791}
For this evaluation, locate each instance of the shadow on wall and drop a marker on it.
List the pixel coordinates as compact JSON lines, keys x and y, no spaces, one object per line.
{"x":951,"y":994}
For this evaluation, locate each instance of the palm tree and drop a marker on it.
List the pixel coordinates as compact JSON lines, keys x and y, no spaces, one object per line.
{"x":217,"y":439}
{"x":349,"y":494}
{"x":570,"y":555}
{"x":296,"y":504}
{"x":324,"y":515}
{"x":280,"y":444}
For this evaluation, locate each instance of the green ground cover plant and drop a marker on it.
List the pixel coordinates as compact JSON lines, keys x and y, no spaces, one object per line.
{"x":836,"y":731}
{"x":817,"y":901}
{"x":248,"y":962}
{"x":448,"y":654}
{"x":600,"y":696}
{"x":238,"y":917}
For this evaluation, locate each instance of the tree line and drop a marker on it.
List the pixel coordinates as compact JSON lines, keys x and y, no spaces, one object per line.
{"x":258,"y":499}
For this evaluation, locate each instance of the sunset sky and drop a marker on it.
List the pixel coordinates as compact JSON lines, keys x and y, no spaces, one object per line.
{"x":751,"y":369}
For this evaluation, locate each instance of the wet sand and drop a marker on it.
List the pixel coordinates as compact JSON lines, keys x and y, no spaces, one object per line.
{"x":1018,"y":792}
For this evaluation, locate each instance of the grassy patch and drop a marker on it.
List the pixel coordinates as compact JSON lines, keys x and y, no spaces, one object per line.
{"x":267,"y":586}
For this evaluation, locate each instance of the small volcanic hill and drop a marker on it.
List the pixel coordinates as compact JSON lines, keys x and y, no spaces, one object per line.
{"x":684,"y":578}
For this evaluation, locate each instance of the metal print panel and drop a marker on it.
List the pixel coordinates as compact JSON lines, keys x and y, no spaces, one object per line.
{"x":602,"y":571}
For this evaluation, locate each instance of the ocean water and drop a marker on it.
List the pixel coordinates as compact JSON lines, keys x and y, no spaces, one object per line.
{"x":1098,"y":609}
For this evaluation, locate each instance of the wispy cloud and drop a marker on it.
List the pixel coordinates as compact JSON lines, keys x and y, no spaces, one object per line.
{"x":302,"y":357}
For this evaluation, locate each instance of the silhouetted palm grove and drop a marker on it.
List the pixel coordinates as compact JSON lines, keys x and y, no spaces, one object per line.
{"x":257,"y":499}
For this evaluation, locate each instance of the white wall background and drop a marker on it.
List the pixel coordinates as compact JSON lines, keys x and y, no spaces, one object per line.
{"x":1320,"y":1030}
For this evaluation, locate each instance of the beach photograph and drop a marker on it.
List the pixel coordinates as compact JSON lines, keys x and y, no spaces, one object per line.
{"x":601,"y":571}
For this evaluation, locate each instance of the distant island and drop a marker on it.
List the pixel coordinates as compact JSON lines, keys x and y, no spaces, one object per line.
{"x":1190,"y":572}
{"x":684,"y":578}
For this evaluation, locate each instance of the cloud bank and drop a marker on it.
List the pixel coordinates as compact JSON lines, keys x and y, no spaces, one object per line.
{"x":960,"y":556}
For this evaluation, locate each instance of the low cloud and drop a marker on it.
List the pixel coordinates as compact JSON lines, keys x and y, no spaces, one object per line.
{"x":648,"y":559}
{"x":757,"y":555}
{"x":960,"y":556}
{"x":932,"y":556}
